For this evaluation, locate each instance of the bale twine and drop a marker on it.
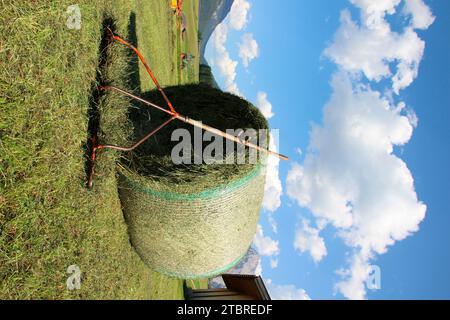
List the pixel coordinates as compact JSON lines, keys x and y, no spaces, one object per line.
{"x":191,"y":221}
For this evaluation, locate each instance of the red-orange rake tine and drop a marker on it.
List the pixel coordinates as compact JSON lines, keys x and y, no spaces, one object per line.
{"x":141,"y":141}
{"x":149,"y":71}
{"x":96,"y":147}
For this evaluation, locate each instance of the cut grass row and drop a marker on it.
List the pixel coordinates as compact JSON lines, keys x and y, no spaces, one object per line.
{"x":160,"y":39}
{"x":48,"y":220}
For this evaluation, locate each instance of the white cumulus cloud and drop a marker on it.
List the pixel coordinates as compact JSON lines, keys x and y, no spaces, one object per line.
{"x":264,"y":105}
{"x":273,"y":223}
{"x":222,"y":60}
{"x":373,"y":12}
{"x":352,"y":179}
{"x":286,"y":292}
{"x":307,"y":239}
{"x":354,"y":284}
{"x":265,"y":245}
{"x":421,"y":15}
{"x":239,"y":14}
{"x":273,"y":188}
{"x":274,"y":263}
{"x":372,"y":47}
{"x":248,"y":49}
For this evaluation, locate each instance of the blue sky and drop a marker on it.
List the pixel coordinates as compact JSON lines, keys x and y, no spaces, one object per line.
{"x":295,"y":70}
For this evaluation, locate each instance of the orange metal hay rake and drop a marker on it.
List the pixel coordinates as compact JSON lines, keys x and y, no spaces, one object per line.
{"x":173,"y":115}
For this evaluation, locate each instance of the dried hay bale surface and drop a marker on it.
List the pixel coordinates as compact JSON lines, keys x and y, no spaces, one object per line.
{"x":191,"y":221}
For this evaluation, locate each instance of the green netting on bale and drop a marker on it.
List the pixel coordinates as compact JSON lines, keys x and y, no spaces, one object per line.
{"x":191,"y":221}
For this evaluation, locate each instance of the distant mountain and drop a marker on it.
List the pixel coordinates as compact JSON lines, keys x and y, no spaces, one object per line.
{"x":212,"y":13}
{"x":250,"y":264}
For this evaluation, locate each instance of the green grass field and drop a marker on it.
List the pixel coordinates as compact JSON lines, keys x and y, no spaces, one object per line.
{"x":159,"y":38}
{"x":48,"y":220}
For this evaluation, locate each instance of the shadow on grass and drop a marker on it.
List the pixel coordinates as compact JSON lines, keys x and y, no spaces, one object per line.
{"x":96,"y":94}
{"x":133,"y":82}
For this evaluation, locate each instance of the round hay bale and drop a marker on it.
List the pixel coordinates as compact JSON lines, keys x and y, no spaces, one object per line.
{"x":191,"y":220}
